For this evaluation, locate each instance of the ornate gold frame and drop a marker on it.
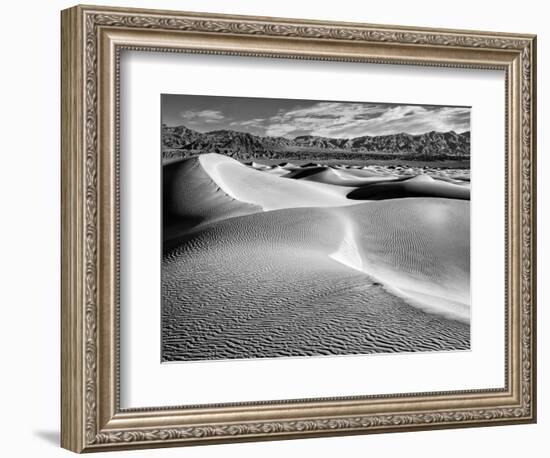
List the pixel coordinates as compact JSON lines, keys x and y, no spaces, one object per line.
{"x":92,"y":38}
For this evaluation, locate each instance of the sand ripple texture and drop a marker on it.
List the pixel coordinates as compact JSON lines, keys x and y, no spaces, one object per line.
{"x":373,"y":277}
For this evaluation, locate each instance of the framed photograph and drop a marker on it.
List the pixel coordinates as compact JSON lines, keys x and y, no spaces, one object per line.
{"x":277,"y":228}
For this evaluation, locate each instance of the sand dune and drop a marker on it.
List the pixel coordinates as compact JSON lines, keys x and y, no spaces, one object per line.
{"x":337,"y":177}
{"x":459,"y":180}
{"x":276,"y":170}
{"x":418,"y":248}
{"x":375,"y":186}
{"x":419,"y":186}
{"x":260,"y":265}
{"x":278,"y":284}
{"x":259,"y":166}
{"x":191,"y":199}
{"x":269,"y":191}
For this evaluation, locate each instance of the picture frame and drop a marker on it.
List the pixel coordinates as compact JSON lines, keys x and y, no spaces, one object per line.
{"x":93,"y":39}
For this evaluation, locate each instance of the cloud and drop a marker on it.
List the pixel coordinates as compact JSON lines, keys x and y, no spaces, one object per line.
{"x":203,"y":116}
{"x":348,"y":120}
{"x":337,"y":120}
{"x":256,"y":122}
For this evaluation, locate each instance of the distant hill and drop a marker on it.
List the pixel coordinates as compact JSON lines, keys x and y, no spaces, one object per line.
{"x":181,"y":141}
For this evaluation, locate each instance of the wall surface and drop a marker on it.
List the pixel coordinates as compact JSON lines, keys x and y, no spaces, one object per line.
{"x":29,"y":242}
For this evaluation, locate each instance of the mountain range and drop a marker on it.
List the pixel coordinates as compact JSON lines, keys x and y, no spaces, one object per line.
{"x":430,"y":145}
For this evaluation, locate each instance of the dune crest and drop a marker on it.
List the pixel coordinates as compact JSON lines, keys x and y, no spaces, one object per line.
{"x":389,"y":242}
{"x":191,"y":200}
{"x":270,"y":191}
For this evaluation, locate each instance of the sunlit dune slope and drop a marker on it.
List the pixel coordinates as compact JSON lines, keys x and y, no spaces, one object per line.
{"x":271,"y":192}
{"x":375,"y":277}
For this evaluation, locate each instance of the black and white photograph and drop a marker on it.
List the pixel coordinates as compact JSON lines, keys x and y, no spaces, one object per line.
{"x":296,"y":228}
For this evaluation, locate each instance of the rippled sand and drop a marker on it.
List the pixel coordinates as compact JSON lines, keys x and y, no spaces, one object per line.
{"x":248,"y":273}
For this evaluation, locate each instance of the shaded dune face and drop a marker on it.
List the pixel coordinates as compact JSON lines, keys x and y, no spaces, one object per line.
{"x":192,"y":199}
{"x":259,"y":265}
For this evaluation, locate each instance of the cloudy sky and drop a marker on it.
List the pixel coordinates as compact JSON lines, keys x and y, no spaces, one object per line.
{"x":291,"y":118}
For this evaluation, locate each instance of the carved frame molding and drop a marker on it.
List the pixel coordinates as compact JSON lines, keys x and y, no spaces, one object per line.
{"x":92,"y":39}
